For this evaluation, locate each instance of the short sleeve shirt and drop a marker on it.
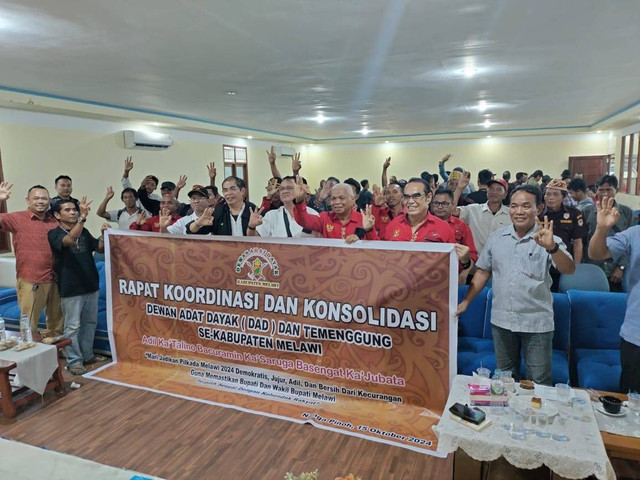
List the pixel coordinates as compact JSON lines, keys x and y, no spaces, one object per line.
{"x":568,"y":224}
{"x":75,"y":267}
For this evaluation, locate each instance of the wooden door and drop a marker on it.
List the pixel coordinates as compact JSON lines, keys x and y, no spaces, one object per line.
{"x":592,"y":167}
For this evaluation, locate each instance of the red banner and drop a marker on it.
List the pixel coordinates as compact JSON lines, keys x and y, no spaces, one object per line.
{"x":352,"y":338}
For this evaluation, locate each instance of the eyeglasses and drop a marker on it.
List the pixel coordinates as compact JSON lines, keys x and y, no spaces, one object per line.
{"x":441,"y":204}
{"x":287,"y":188}
{"x":230,"y":189}
{"x":415,"y":197}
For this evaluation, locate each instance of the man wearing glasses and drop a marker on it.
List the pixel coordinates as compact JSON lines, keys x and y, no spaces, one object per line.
{"x":229,"y":218}
{"x":614,"y":269}
{"x":418,"y":225}
{"x":441,"y":207}
{"x":199,"y":199}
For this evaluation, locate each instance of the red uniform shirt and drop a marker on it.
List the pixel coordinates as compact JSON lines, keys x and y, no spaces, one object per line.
{"x":328,"y":223}
{"x":432,"y":230}
{"x":384,"y":216}
{"x":34,"y":260}
{"x":463,"y":235}
{"x":152,"y":224}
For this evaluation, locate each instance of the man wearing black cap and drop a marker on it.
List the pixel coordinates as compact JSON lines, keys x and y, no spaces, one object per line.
{"x":199,"y":199}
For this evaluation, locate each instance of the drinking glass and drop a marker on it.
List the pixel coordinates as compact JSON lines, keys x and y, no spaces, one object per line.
{"x":560,"y":429}
{"x":509,"y":382}
{"x":543,"y":430}
{"x":563,"y":392}
{"x":633,"y":402}
{"x":517,"y":427}
{"x":483,"y":372}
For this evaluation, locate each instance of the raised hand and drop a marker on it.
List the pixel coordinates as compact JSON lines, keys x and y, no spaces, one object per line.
{"x":212,"y":170}
{"x":105,"y":226}
{"x":325,"y":192}
{"x":271,"y":155}
{"x":84,"y":207}
{"x":378,"y":198}
{"x":256,"y":217}
{"x":142,"y":217}
{"x":182,"y":181}
{"x":465,"y":178}
{"x":5,"y":190}
{"x":300,"y":190}
{"x":164,"y":219}
{"x":128,"y":165}
{"x":445,"y":158}
{"x":387,"y":162}
{"x":296,"y":165}
{"x":206,"y":218}
{"x":368,"y":220}
{"x":544,"y":235}
{"x":271,"y":188}
{"x":109,"y":194}
{"x":607,"y":215}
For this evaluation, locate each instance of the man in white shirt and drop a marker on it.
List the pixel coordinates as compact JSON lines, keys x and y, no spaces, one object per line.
{"x":199,"y":199}
{"x":125,"y":216}
{"x":280,"y":222}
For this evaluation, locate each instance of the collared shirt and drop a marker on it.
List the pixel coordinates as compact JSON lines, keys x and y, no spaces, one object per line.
{"x":152,"y":224}
{"x":384,"y":216}
{"x":625,"y":220}
{"x":463,"y":235}
{"x":328,"y":223}
{"x":123,"y":218}
{"x":568,"y":224}
{"x":432,"y":230}
{"x":34,"y":260}
{"x":483,"y":222}
{"x":627,"y":244}
{"x":522,"y":300}
{"x":181,"y":225}
{"x":273,"y":224}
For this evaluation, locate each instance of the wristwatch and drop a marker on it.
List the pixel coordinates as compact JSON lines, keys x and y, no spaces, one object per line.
{"x":621,"y":267}
{"x":554,"y":249}
{"x":83,"y":219}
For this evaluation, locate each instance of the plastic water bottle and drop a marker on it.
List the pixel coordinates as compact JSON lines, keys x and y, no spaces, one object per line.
{"x":3,"y":332}
{"x":25,"y":328}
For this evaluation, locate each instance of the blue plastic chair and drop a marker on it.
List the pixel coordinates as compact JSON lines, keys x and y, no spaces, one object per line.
{"x":586,"y":277}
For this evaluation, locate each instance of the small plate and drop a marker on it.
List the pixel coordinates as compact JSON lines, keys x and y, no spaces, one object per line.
{"x":524,"y":402}
{"x":601,"y":409}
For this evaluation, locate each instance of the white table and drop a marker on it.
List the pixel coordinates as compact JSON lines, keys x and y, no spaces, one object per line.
{"x":34,"y":365}
{"x":583,"y":455}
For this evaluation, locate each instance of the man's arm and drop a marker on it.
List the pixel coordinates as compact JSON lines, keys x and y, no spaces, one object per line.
{"x":385,"y":167}
{"x":75,"y":233}
{"x":212,"y":174}
{"x":271,"y":156}
{"x":578,"y":250}
{"x":102,"y":208}
{"x":478,"y":282}
{"x":128,"y":166}
{"x":441,"y":170}
{"x":544,"y":237}
{"x":180,"y":184}
{"x":149,"y":204}
{"x":5,"y":193}
{"x":606,"y":217}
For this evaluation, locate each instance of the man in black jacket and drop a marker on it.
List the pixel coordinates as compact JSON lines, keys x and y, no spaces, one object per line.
{"x":231,"y":217}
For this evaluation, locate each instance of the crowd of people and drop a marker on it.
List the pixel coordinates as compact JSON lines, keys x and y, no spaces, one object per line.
{"x":526,"y":233}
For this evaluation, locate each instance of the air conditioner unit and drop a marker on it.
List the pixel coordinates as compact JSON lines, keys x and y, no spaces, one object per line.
{"x":285,"y":151}
{"x":147,"y":140}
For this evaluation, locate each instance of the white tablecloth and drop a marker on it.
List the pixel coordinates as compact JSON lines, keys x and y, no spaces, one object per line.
{"x":583,"y":455}
{"x":35,"y":365}
{"x":625,"y":425}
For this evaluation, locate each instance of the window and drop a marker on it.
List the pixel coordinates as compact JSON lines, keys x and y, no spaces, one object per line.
{"x":629,"y":162}
{"x":235,"y":163}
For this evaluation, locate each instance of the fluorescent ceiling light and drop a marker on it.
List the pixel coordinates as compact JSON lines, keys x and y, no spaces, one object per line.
{"x":249,"y":137}
{"x":482,"y":105}
{"x":364,"y":131}
{"x":469,"y":71}
{"x":320,"y":118}
{"x":486,"y":123}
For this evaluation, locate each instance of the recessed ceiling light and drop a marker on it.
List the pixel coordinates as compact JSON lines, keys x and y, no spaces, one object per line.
{"x":386,"y":141}
{"x":249,"y":137}
{"x":599,"y":131}
{"x":155,"y":124}
{"x":231,"y":92}
{"x":320,"y":118}
{"x":488,"y":136}
{"x":364,"y":131}
{"x":482,"y":105}
{"x":487,"y":123}
{"x":469,"y":71}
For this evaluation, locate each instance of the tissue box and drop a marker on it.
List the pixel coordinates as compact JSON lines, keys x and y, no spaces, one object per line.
{"x":480,"y":396}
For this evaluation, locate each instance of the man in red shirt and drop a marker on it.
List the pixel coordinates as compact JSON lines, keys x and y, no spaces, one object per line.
{"x":418,"y":225}
{"x":343,"y":221}
{"x":36,"y":286}
{"x":441,"y":207}
{"x":394,"y":207}
{"x":168,"y":205}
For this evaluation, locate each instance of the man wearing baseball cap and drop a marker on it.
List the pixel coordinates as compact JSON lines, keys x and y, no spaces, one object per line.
{"x":199,"y":199}
{"x":568,"y":223}
{"x":484,"y":218}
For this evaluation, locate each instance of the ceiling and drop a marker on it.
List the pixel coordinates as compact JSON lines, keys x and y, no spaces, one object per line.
{"x":405,"y":70}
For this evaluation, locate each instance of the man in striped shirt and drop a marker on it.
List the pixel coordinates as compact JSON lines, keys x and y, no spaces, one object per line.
{"x":519,"y":257}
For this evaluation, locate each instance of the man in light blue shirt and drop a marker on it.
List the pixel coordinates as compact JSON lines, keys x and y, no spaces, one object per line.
{"x":622,"y":243}
{"x":519,"y":257}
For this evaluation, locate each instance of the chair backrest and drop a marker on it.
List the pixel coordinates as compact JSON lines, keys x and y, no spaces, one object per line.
{"x":596,"y":318}
{"x":586,"y":277}
{"x":471,"y":322}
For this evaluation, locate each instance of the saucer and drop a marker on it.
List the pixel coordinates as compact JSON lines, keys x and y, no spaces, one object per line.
{"x":601,"y":409}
